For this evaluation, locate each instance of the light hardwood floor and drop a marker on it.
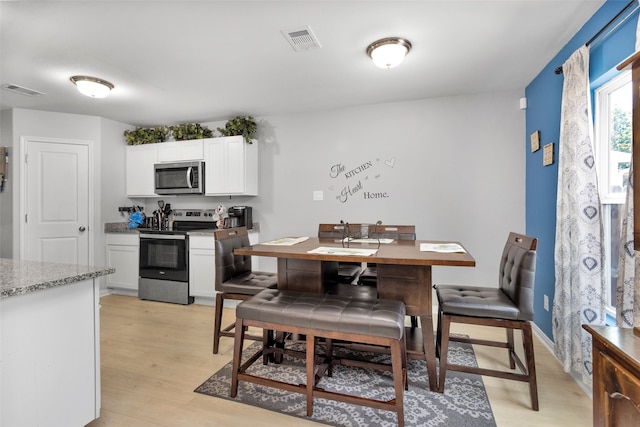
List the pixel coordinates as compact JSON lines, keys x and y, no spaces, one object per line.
{"x":155,"y":354}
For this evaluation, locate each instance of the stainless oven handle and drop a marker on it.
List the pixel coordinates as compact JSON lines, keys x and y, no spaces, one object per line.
{"x":163,"y":236}
{"x":190,"y":176}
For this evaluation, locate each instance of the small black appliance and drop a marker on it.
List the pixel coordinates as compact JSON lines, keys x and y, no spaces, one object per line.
{"x":239,"y":216}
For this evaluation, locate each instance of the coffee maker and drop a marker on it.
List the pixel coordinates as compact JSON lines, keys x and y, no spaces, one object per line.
{"x":239,"y":216}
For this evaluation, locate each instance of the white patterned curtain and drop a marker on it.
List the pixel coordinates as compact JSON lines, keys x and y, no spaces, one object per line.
{"x":627,"y":287}
{"x":627,"y":312}
{"x":579,"y":256}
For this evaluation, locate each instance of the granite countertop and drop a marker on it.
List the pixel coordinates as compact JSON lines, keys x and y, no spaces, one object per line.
{"x":22,"y":277}
{"x":123,"y":227}
{"x":118,"y":227}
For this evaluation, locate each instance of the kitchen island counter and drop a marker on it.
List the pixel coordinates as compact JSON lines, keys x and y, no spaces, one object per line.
{"x":49,"y":343}
{"x":21,"y":277}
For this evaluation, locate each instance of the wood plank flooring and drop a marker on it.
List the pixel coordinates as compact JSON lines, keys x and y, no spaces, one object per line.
{"x":155,"y":354}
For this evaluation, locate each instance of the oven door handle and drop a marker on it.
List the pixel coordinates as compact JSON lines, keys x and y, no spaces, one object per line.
{"x":164,"y":236}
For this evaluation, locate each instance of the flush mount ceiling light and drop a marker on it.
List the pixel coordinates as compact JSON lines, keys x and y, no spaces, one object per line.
{"x":389,"y":52}
{"x":92,"y":86}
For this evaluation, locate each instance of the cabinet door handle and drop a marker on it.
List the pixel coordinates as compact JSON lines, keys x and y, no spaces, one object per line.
{"x":82,"y":228}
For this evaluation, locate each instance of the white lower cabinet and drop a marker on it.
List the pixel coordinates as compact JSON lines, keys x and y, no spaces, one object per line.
{"x":202,"y":268}
{"x":123,"y":252}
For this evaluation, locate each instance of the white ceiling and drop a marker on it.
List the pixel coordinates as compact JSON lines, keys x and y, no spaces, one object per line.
{"x":199,"y":61}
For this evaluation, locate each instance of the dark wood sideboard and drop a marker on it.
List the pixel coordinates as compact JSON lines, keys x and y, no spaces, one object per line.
{"x":616,"y":376}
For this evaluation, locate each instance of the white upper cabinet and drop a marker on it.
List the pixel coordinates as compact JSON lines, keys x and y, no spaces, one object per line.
{"x":231,"y":166}
{"x":140,"y":172}
{"x":180,"y":151}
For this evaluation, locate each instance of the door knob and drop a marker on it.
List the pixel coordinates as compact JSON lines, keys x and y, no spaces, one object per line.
{"x":82,"y":228}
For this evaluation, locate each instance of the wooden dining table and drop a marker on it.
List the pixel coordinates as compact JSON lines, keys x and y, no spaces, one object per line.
{"x":404,"y":273}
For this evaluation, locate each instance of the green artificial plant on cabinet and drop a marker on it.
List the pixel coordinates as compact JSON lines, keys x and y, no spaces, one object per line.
{"x":245,"y":126}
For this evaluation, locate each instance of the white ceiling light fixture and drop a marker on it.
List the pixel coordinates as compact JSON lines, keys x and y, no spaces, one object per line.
{"x":389,"y":52}
{"x":92,"y":86}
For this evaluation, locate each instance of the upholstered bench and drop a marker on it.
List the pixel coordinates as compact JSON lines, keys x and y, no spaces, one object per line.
{"x":332,"y":317}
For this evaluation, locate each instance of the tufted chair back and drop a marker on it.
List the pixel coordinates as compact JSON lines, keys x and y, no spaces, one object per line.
{"x":338,"y":231}
{"x":517,"y":272}
{"x":229,"y":265}
{"x":397,"y":232}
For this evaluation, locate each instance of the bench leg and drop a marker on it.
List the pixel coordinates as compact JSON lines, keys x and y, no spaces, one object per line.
{"x":399,"y":376}
{"x":237,"y":356}
{"x":311,"y":371}
{"x":403,"y":353}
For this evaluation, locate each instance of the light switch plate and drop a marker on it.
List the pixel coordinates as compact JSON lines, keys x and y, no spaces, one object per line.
{"x":318,"y":195}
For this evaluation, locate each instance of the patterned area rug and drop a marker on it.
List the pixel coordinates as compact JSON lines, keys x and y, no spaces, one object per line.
{"x":464,"y":402}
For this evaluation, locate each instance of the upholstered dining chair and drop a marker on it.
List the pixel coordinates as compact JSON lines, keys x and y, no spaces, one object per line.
{"x":509,"y":306}
{"x":369,"y":275}
{"x":348,"y":272}
{"x":235,"y":280}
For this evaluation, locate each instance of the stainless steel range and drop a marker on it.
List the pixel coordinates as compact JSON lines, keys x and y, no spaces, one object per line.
{"x":164,"y":257}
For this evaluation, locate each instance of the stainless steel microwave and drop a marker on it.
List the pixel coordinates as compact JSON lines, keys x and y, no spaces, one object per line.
{"x":179,"y":178}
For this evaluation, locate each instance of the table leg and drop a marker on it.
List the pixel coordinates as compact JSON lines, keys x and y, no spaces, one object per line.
{"x":304,"y":275}
{"x":412,"y":284}
{"x":426,"y":323}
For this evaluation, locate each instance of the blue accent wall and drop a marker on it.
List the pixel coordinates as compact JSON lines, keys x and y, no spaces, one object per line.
{"x":544,"y":97}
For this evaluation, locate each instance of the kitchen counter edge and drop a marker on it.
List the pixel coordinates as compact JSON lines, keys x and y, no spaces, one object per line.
{"x":19,"y":277}
{"x":123,"y":228}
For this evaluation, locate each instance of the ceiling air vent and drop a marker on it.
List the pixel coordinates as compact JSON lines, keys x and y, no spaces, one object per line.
{"x":21,"y":90}
{"x":301,"y":39}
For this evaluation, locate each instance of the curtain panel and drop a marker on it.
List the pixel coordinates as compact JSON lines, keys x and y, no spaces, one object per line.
{"x":579,"y":256}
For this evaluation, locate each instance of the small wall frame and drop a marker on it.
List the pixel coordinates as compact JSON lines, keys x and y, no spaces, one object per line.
{"x":547,"y":154}
{"x":535,"y":141}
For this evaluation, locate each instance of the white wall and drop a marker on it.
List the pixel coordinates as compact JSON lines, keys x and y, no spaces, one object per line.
{"x":6,"y":196}
{"x":454,"y":168}
{"x":31,"y":123}
{"x":112,"y":162}
{"x":110,"y":190}
{"x":106,"y":140}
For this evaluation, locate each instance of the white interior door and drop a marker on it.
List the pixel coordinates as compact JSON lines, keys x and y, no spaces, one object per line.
{"x":57,"y":201}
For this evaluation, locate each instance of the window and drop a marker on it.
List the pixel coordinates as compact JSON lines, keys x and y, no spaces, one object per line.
{"x":613,"y":141}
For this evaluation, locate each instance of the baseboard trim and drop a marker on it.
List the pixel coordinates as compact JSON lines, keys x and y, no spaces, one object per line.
{"x":544,"y":339}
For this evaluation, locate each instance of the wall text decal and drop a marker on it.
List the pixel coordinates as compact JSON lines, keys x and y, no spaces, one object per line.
{"x":351,"y":180}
